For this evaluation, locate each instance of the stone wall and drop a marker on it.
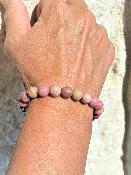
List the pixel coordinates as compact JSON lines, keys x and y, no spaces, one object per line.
{"x":106,"y":148}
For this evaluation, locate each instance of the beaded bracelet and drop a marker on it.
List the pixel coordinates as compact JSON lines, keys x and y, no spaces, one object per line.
{"x":65,"y":92}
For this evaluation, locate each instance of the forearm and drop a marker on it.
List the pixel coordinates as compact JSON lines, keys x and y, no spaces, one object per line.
{"x":54,"y":139}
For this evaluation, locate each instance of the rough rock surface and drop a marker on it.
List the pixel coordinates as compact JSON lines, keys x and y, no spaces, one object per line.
{"x":106,"y":144}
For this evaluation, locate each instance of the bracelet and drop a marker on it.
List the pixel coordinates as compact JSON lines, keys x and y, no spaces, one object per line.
{"x":65,"y":92}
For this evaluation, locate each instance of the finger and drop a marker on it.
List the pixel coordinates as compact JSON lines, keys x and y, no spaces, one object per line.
{"x":77,"y":3}
{"x":16,"y":18}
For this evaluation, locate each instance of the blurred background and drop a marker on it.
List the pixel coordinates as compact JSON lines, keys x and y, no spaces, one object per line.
{"x":110,"y":147}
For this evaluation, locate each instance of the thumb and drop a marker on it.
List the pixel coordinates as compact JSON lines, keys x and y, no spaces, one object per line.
{"x":16,"y":18}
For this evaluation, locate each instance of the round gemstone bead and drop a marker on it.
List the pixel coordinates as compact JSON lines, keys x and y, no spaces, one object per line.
{"x":96,"y":103}
{"x":98,"y":112}
{"x":23,"y":97}
{"x":32,"y":92}
{"x":95,"y":117}
{"x":55,"y":91}
{"x":86,"y":98}
{"x":43,"y":91}
{"x":77,"y":95}
{"x":22,"y":104}
{"x":66,"y":92}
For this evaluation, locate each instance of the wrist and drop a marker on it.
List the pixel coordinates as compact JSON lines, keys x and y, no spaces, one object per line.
{"x":64,"y":107}
{"x":55,"y":134}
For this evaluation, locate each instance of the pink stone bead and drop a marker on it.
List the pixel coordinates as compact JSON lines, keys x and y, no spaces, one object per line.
{"x":23,"y":97}
{"x":98,"y":112}
{"x":43,"y":91}
{"x":66,"y":92}
{"x":22,"y":104}
{"x":55,"y":91}
{"x":95,"y":117}
{"x":96,"y":103}
{"x":77,"y":95}
{"x":86,"y":98}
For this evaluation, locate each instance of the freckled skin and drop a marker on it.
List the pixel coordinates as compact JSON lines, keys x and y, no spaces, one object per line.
{"x":65,"y":49}
{"x":68,"y":47}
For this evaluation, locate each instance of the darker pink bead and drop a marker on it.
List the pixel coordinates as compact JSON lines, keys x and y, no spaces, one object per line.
{"x":95,"y":117}
{"x":43,"y":91}
{"x":98,"y":112}
{"x":24,"y":98}
{"x":22,"y":104}
{"x":66,"y":92}
{"x":96,"y":103}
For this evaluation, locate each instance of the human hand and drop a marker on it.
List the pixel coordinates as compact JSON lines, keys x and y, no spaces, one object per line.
{"x":65,"y":46}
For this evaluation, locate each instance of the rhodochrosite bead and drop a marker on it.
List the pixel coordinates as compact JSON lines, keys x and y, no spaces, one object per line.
{"x":32,"y":92}
{"x":86,"y":98}
{"x":22,"y":104}
{"x":55,"y":90}
{"x":43,"y":91}
{"x":77,"y":95}
{"x":66,"y":92}
{"x":23,"y":97}
{"x":99,"y":112}
{"x":95,"y":117}
{"x":96,"y":103}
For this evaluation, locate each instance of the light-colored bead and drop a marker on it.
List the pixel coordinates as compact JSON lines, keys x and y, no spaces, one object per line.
{"x":55,"y":90}
{"x":32,"y":92}
{"x":86,"y":98}
{"x":96,"y":103}
{"x":23,"y":97}
{"x":77,"y":94}
{"x":66,"y":92}
{"x":43,"y":91}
